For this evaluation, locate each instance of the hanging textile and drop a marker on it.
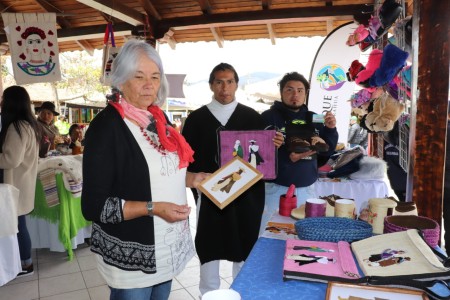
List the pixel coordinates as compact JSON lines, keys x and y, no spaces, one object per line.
{"x":34,"y":46}
{"x":110,"y":51}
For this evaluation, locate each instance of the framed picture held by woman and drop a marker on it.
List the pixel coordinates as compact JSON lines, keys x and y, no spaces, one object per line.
{"x":230,"y":181}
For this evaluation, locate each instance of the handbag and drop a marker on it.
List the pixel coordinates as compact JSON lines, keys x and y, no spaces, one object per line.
{"x":253,"y":146}
{"x":110,"y":52}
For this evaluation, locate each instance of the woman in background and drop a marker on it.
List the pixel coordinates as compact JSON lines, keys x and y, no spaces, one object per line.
{"x":19,"y":146}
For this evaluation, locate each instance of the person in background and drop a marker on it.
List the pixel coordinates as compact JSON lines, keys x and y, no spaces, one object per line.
{"x":354,"y":137}
{"x":396,"y":175}
{"x":19,"y":145}
{"x":62,"y":125}
{"x":227,"y":234}
{"x":49,"y":132}
{"x":300,"y":169}
{"x":134,"y":182}
{"x":76,"y":135}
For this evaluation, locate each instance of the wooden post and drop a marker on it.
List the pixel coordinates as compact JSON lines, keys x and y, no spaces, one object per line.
{"x":430,"y":84}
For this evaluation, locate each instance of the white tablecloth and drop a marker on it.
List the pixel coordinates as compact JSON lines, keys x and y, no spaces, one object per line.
{"x":10,"y":264}
{"x":359,"y":190}
{"x":45,"y":235}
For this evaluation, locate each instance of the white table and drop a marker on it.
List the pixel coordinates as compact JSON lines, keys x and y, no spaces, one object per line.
{"x":359,"y":190}
{"x":44,"y":234}
{"x":10,"y":264}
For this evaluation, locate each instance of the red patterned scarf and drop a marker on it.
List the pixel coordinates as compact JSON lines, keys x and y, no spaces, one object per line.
{"x":168,"y":136}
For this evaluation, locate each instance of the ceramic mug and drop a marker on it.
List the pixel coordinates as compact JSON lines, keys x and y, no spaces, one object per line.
{"x":315,"y":208}
{"x":344,"y":208}
{"x":222,"y":294}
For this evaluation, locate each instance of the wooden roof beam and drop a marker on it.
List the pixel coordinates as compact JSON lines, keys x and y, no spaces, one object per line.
{"x":266,"y":4}
{"x":168,"y":38}
{"x":272,"y":35}
{"x":62,"y":22}
{"x":86,"y":46}
{"x":91,"y":32}
{"x":205,"y":6}
{"x":150,"y":9}
{"x":289,"y":15}
{"x":218,"y":36}
{"x":116,"y":9}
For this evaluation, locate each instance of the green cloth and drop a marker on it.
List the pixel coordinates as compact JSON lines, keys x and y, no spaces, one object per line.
{"x":68,"y":213}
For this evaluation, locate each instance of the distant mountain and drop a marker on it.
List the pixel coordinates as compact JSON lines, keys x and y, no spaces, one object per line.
{"x":247,"y":79}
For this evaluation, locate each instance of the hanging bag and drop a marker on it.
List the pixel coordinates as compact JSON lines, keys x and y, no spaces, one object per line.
{"x":110,"y":51}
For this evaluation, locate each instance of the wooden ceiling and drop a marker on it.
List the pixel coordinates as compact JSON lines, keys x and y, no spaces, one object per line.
{"x":81,"y":23}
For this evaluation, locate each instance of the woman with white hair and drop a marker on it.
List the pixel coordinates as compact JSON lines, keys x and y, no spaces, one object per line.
{"x":134,"y":182}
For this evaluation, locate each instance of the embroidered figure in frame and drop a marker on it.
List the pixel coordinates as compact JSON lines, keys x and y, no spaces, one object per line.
{"x":254,"y":158}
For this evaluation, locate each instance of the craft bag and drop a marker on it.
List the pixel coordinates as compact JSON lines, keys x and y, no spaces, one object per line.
{"x":110,"y":51}
{"x":414,"y":255}
{"x":253,"y":146}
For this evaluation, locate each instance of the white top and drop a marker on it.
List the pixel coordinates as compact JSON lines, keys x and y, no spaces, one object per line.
{"x":222,"y":112}
{"x":173,"y":242}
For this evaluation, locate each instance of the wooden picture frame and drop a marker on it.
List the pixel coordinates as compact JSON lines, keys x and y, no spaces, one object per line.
{"x":253,"y":146}
{"x":230,"y":181}
{"x":346,"y":291}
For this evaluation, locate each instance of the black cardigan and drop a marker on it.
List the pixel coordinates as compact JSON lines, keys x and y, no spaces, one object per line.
{"x":115,"y":168}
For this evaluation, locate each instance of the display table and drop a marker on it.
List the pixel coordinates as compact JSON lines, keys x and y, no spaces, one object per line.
{"x":60,"y":227}
{"x":261,"y":276}
{"x":359,"y":190}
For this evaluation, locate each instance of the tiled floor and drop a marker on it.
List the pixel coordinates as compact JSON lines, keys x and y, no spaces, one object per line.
{"x":56,"y":278}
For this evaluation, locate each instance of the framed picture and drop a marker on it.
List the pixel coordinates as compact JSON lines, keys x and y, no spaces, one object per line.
{"x":231,"y":180}
{"x":345,"y":291}
{"x":254,"y":146}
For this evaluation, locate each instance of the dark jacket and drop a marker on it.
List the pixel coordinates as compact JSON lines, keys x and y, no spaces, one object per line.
{"x":228,"y":233}
{"x":303,"y":172}
{"x":115,"y":168}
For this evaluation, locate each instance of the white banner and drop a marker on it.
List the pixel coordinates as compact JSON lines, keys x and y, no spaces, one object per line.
{"x":34,"y":46}
{"x":330,"y":90}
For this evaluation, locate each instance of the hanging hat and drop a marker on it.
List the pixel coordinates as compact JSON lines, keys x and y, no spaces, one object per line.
{"x":372,"y":65}
{"x":48,"y":106}
{"x":393,"y":60}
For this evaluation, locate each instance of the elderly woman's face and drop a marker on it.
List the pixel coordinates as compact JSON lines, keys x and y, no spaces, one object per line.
{"x":142,"y":89}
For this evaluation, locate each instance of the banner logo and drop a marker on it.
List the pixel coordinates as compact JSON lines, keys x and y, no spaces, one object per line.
{"x":331,"y":77}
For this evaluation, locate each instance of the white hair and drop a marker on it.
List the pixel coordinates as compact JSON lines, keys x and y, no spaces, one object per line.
{"x":125,"y":66}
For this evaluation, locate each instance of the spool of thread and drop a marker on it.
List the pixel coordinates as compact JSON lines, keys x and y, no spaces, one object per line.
{"x":286,"y":205}
{"x":315,"y":208}
{"x":379,"y":208}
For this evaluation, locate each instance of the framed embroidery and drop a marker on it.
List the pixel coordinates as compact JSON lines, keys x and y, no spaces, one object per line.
{"x":345,"y":291}
{"x":254,"y":146}
{"x":230,"y":181}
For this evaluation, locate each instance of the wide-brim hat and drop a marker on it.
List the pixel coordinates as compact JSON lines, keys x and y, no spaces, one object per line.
{"x":49,"y":106}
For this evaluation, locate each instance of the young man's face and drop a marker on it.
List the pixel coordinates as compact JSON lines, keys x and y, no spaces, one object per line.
{"x":293,"y":94}
{"x":224,"y":86}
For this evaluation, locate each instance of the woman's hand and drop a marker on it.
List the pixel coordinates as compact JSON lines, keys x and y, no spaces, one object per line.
{"x":297,"y":156}
{"x":278,"y":140}
{"x":171,"y":212}
{"x":194,"y":179}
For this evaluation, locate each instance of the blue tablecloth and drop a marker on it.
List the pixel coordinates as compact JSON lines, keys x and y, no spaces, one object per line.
{"x":261,"y":277}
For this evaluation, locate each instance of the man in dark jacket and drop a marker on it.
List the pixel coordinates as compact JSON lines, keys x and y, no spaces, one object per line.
{"x":229,"y":233}
{"x":295,"y":168}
